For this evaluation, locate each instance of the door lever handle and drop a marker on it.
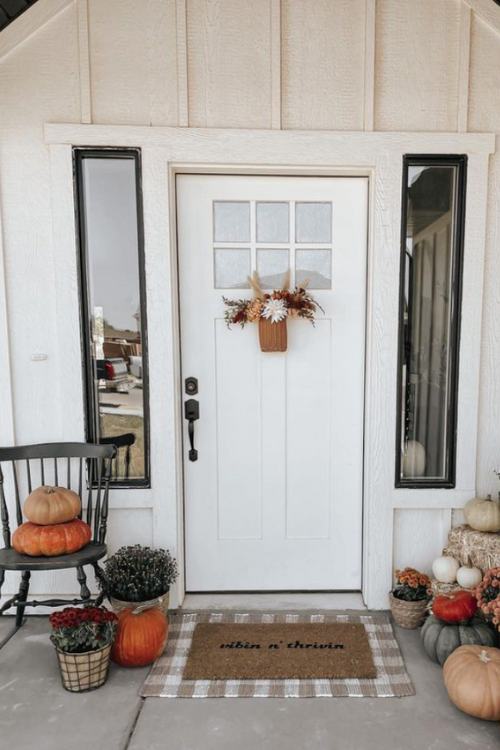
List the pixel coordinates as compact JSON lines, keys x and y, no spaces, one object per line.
{"x":192,"y":413}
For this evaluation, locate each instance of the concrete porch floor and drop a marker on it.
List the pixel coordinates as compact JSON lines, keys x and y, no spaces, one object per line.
{"x":35,"y":712}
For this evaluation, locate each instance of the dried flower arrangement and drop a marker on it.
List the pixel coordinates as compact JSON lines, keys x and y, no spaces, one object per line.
{"x":411,"y":585}
{"x":488,"y":596}
{"x":138,"y":574}
{"x":78,"y":630}
{"x":275,"y":306}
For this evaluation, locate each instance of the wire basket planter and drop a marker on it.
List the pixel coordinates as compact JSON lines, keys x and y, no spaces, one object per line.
{"x":161,"y":602}
{"x":81,"y":673}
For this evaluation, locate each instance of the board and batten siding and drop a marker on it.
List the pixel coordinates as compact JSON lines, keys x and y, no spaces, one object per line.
{"x":340,"y":65}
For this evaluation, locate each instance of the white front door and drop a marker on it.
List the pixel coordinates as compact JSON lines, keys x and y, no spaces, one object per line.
{"x":274,"y":499}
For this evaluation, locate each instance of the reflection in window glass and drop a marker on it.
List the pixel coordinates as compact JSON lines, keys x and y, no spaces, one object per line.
{"x":313,"y":222}
{"x":430,"y":314}
{"x":313,"y":268}
{"x":273,"y":267}
{"x":113,"y":307}
{"x":231,"y":221}
{"x":272,"y":221}
{"x":231,"y":268}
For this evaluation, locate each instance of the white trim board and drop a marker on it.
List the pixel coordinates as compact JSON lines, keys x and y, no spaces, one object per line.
{"x":7,"y":436}
{"x":29,"y":23}
{"x":166,"y":151}
{"x":352,"y":148}
{"x":487,"y":11}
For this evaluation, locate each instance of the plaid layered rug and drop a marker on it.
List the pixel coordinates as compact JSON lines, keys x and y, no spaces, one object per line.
{"x":166,"y":681}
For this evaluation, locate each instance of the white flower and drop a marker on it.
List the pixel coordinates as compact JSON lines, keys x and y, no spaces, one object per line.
{"x":274,"y":310}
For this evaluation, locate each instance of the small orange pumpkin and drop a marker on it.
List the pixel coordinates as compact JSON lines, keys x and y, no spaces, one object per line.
{"x":49,"y":541}
{"x":47,"y":505}
{"x":140,"y":638}
{"x":472,"y":678}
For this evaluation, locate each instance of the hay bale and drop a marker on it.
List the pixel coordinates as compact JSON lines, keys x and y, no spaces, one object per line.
{"x":481,"y":548}
{"x":438,"y":588}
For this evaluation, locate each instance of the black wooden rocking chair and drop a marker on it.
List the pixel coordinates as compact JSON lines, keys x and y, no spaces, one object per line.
{"x":85,"y":468}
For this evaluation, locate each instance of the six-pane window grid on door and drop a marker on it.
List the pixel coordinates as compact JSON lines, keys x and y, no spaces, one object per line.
{"x":272,"y":238}
{"x":83,"y":467}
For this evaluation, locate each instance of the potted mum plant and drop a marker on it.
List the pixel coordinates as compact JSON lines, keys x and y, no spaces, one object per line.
{"x":488,"y":597}
{"x":138,"y":581}
{"x":83,"y":638}
{"x":140,"y":575}
{"x":410,"y":597}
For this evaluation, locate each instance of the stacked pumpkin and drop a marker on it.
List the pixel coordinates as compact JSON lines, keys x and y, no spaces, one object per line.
{"x":455,"y":637}
{"x":52,"y":527}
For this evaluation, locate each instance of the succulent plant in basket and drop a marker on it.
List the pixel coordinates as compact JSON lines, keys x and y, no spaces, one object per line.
{"x":410,"y":598}
{"x":137,"y":574}
{"x":83,"y":638}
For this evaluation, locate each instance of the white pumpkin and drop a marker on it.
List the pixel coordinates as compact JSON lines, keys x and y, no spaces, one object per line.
{"x":469,"y":577}
{"x":413,"y":459}
{"x":445,"y":569}
{"x":483,"y":514}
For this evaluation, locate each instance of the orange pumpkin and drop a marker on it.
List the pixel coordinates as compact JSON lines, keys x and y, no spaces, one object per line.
{"x":48,"y":505}
{"x":48,"y":541}
{"x":140,"y":638}
{"x":472,"y":678}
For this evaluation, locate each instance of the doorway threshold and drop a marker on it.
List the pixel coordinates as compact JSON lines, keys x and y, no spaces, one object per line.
{"x":337,"y":600}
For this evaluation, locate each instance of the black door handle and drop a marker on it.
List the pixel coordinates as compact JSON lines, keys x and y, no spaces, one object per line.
{"x":192,"y":413}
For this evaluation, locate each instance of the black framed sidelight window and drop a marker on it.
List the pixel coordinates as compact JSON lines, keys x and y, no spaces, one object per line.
{"x":113,"y":307}
{"x":433,"y":213}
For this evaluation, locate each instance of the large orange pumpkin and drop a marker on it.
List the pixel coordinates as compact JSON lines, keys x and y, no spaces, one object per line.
{"x":140,"y":638}
{"x":47,"y":505}
{"x":48,"y":541}
{"x":472,"y":678}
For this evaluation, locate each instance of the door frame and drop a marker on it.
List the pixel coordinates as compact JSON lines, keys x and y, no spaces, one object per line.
{"x":378,"y":156}
{"x":238,"y":171}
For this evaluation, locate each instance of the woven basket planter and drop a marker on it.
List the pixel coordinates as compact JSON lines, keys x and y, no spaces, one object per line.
{"x":161,"y":602}
{"x":272,"y":336}
{"x":438,"y":588}
{"x":83,"y":672}
{"x":409,"y":615}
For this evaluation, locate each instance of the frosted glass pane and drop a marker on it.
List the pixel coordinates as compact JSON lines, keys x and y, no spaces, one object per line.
{"x":272,"y":222}
{"x":231,"y":221}
{"x":272,"y":266}
{"x":232,"y":268}
{"x":313,"y":222}
{"x":314,"y":266}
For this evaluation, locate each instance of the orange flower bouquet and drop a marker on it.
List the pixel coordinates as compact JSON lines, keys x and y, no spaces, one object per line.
{"x":488,"y":596}
{"x":411,"y":585}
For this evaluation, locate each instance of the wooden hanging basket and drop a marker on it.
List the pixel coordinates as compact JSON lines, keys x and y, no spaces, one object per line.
{"x":272,"y":336}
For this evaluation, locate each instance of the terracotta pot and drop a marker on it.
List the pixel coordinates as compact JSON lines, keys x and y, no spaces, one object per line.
{"x":272,"y":336}
{"x":161,"y":602}
{"x":83,"y":672}
{"x":409,"y":615}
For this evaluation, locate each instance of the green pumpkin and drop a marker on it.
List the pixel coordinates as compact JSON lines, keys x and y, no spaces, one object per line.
{"x":440,"y":639}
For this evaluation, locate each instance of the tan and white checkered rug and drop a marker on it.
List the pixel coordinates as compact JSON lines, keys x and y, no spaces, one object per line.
{"x":165,"y":679}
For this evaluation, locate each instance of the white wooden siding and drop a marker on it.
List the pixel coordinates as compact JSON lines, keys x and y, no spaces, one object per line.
{"x":416,"y":71}
{"x":323,"y":64}
{"x":388,"y":64}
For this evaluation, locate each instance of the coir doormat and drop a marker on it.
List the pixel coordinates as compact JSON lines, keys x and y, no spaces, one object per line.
{"x":169,"y":676}
{"x":279,"y":651}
